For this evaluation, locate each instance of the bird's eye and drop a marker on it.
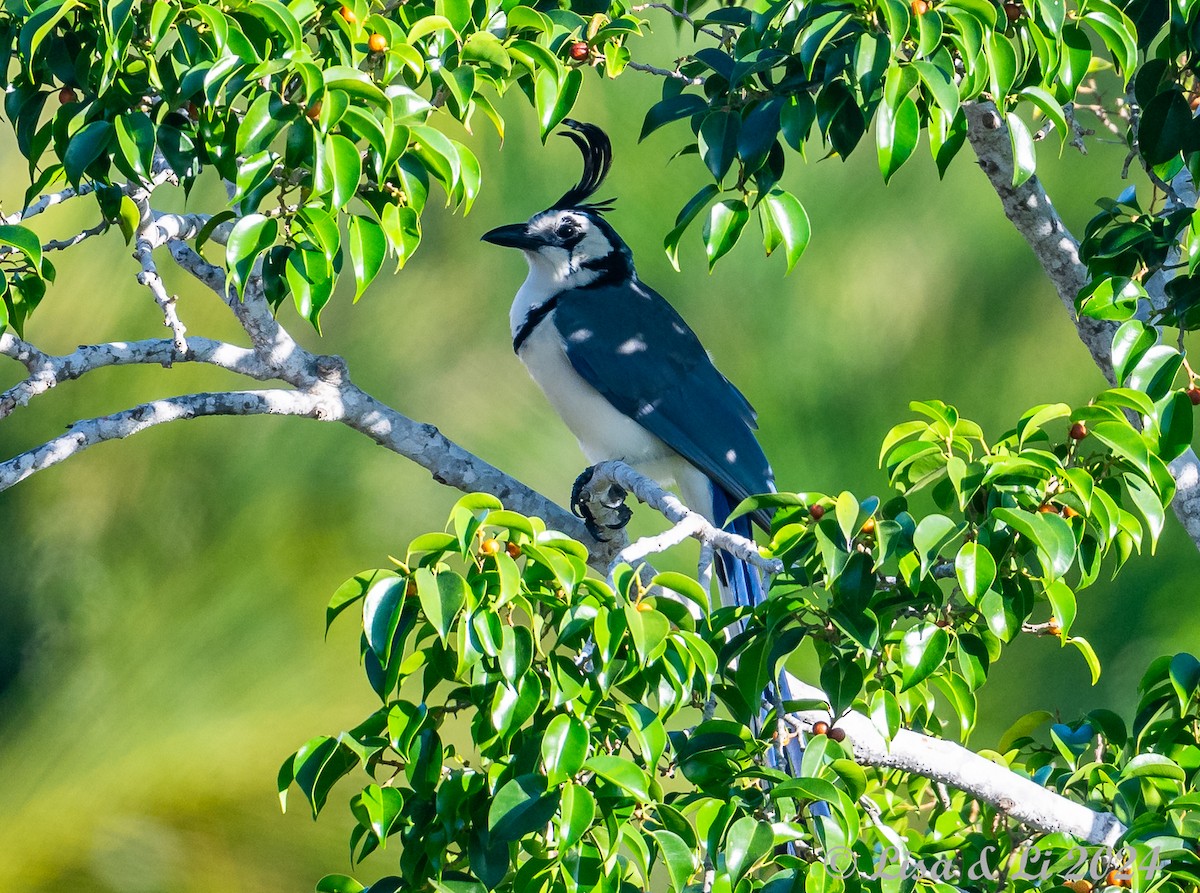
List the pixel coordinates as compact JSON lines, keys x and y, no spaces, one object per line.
{"x":566,"y":229}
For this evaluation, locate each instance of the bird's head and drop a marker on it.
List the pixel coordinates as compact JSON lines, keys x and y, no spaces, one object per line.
{"x":570,"y":242}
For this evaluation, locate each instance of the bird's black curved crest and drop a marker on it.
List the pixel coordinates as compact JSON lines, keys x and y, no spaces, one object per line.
{"x":597,"y":159}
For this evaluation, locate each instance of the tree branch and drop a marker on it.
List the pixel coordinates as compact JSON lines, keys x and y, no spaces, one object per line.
{"x":952,"y":764}
{"x":48,"y":371}
{"x":1057,"y":250}
{"x":89,"y":432}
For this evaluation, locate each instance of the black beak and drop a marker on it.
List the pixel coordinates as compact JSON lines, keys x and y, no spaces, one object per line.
{"x":515,"y":235}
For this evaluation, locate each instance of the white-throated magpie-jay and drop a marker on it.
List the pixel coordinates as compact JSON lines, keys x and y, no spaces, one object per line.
{"x":622,"y":368}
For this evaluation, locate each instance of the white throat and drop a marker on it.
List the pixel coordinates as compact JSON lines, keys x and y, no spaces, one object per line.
{"x":550,"y":272}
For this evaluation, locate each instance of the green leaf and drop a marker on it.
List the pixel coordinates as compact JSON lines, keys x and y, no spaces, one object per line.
{"x":789,"y":222}
{"x":24,"y":240}
{"x":564,"y":748}
{"x":975,"y":569}
{"x":623,"y":774}
{"x":555,"y":95}
{"x":1154,"y":373}
{"x":932,"y":534}
{"x":368,"y":245}
{"x":250,"y":237}
{"x":922,"y":651}
{"x":1089,"y":655}
{"x":310,"y":277}
{"x":85,"y":147}
{"x":885,"y":713}
{"x":747,"y":841}
{"x":940,"y":86}
{"x":689,"y":213}
{"x":338,"y":883}
{"x":1023,"y":728}
{"x":1130,"y":344}
{"x":673,"y":108}
{"x":343,"y":167}
{"x":442,"y":598}
{"x":724,"y":226}
{"x":135,"y":138}
{"x":649,"y":630}
{"x":842,"y":681}
{"x":718,"y":139}
{"x":578,"y":812}
{"x":1049,"y":533}
{"x":896,"y":135}
{"x":1063,"y":604}
{"x":1149,"y":504}
{"x":1050,"y":107}
{"x":1024,"y":156}
{"x":521,"y":807}
{"x":677,"y":856}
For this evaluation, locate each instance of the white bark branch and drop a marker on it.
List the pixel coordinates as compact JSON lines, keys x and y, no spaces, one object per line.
{"x":1057,"y":250}
{"x":47,"y":372}
{"x":952,"y":764}
{"x":48,"y":201}
{"x":87,"y":433}
{"x":672,"y":508}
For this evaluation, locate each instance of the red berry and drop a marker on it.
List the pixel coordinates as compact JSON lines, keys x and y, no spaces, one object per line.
{"x":578,"y":51}
{"x":1078,"y":431}
{"x":377,"y":43}
{"x":66,"y":95}
{"x":348,"y":14}
{"x":1194,"y":393}
{"x":817,"y":512}
{"x":513,"y":550}
{"x":838,"y":735}
{"x":868,"y":526}
{"x":1013,"y":11}
{"x":313,"y":111}
{"x":919,"y":7}
{"x":820,"y":728}
{"x":1048,"y":509}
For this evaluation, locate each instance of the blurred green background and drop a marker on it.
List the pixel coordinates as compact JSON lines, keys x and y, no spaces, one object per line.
{"x":162,"y":599}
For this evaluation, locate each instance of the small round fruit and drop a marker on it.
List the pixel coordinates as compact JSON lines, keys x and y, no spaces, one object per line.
{"x":1068,"y":512}
{"x":816,"y":512}
{"x":1013,"y":11}
{"x":941,"y":623}
{"x":1114,"y":879}
{"x":313,"y":111}
{"x":868,"y":526}
{"x":837,"y":734}
{"x":513,"y":550}
{"x":919,"y":7}
{"x":410,"y":589}
{"x":1048,"y":509}
{"x":377,"y":43}
{"x":66,"y":95}
{"x":1078,"y":431}
{"x":1052,"y":626}
{"x":1194,"y":393}
{"x":1081,"y":886}
{"x":348,"y":14}
{"x":489,"y":547}
{"x":820,"y":728}
{"x":578,"y":51}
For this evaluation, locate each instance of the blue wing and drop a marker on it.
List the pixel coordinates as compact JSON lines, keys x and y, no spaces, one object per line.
{"x":629,"y":344}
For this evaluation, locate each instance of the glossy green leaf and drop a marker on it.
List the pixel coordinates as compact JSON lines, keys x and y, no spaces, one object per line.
{"x":922,"y":651}
{"x":368,"y":245}
{"x":975,"y":569}
{"x":747,"y":842}
{"x":250,"y":237}
{"x":564,"y":748}
{"x":896,"y":132}
{"x":718,"y":138}
{"x":677,"y":856}
{"x":1024,"y":156}
{"x":442,"y":598}
{"x":521,"y":807}
{"x":689,"y":213}
{"x":724,"y":226}
{"x":623,"y":774}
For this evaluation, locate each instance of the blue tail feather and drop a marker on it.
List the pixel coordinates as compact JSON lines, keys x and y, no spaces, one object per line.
{"x":740,"y":579}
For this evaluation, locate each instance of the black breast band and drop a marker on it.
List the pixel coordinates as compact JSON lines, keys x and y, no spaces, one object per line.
{"x":535,"y":316}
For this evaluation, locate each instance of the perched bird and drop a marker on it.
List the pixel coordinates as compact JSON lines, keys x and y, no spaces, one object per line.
{"x":626,"y":373}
